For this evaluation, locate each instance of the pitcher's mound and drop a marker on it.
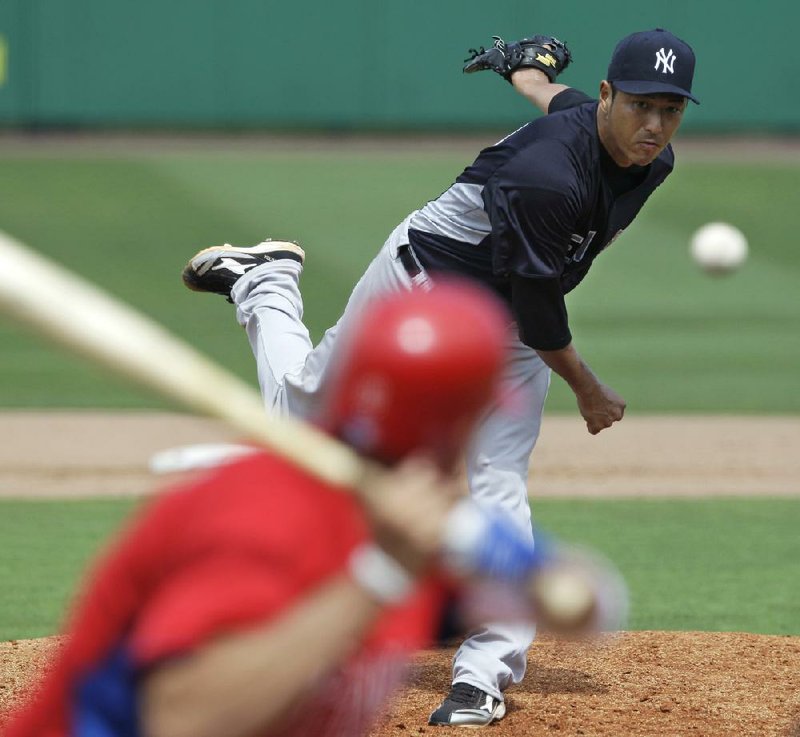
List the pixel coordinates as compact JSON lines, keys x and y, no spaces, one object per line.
{"x":635,"y":685}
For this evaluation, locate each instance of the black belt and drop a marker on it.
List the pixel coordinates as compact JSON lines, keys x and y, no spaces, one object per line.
{"x":409,"y":261}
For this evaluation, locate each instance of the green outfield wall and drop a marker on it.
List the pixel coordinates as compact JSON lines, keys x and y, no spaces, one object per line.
{"x":354,"y":64}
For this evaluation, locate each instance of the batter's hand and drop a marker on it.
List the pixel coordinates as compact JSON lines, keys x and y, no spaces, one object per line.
{"x":600,"y":406}
{"x":407,"y":508}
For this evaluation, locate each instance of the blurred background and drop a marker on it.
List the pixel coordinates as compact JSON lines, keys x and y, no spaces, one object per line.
{"x":133,"y":134}
{"x":355,"y":64}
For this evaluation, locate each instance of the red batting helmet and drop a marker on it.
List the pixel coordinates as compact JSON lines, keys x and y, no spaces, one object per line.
{"x":415,"y":372}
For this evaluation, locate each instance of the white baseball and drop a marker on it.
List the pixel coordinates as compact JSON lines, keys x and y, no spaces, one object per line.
{"x":718,"y":248}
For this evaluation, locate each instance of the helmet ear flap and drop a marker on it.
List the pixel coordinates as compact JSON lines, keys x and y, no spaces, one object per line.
{"x":415,"y":372}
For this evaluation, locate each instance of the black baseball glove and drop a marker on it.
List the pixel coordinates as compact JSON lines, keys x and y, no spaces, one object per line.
{"x":540,"y":52}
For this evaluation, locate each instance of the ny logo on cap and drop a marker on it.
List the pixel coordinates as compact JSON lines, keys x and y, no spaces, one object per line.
{"x":666,"y":61}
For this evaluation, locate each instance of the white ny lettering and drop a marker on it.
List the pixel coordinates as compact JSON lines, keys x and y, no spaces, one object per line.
{"x":666,"y":60}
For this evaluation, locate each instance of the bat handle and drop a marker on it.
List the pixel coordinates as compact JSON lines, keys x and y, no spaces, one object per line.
{"x":477,"y":541}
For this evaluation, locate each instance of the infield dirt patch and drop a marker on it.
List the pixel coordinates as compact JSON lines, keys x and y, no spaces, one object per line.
{"x":46,"y":454}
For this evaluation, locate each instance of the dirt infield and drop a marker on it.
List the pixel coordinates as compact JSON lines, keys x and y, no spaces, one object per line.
{"x":640,"y":683}
{"x":90,"y":453}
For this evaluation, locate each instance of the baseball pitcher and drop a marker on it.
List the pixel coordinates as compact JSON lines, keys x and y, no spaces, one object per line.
{"x":527,"y":218}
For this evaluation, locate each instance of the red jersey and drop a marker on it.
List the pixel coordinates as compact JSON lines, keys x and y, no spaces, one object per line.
{"x":233,"y":550}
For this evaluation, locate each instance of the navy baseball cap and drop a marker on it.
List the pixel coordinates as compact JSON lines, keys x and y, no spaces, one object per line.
{"x":651,"y":62}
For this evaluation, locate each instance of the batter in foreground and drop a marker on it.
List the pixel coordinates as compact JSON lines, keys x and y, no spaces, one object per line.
{"x":527,"y":218}
{"x":256,"y":599}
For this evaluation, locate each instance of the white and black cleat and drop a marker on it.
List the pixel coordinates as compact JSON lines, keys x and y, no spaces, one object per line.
{"x":218,"y":268}
{"x":468,"y":706}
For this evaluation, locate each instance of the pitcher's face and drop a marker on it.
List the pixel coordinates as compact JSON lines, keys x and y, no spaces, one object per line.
{"x":634,"y":129}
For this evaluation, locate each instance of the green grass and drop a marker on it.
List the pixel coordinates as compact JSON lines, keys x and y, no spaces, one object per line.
{"x":666,"y":336}
{"x":45,"y":547}
{"x":695,"y":564}
{"x":716,"y":565}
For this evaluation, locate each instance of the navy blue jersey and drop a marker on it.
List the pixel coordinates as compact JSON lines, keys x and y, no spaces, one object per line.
{"x":531,"y":213}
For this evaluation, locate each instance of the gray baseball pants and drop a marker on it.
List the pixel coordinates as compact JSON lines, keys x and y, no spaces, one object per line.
{"x":290,"y":369}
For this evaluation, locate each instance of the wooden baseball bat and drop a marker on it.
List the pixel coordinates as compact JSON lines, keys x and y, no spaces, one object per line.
{"x":86,"y":320}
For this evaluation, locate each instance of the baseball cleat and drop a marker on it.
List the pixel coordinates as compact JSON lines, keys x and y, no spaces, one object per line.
{"x":218,"y":268}
{"x":468,"y":706}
